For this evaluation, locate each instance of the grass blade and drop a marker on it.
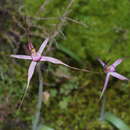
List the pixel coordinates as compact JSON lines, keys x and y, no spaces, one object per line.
{"x":115,"y":121}
{"x":69,"y":53}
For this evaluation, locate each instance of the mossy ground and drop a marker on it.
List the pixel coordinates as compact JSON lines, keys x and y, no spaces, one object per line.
{"x":74,"y":96}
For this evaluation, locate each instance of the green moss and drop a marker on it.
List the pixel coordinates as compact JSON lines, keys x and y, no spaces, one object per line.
{"x":74,"y":95}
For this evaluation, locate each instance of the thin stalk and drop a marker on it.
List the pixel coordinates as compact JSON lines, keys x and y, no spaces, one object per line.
{"x":103,"y":105}
{"x":39,"y":104}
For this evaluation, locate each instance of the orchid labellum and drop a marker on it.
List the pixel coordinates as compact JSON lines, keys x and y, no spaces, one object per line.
{"x":110,"y":71}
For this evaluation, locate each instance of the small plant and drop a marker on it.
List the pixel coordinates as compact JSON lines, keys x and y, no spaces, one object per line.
{"x":36,"y":57}
{"x":110,"y":70}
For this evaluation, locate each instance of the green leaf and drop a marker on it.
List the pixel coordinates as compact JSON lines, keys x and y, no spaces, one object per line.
{"x":69,"y":53}
{"x":44,"y":127}
{"x":115,"y":121}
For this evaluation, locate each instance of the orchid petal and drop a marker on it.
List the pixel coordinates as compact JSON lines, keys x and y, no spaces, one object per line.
{"x":105,"y":85}
{"x":117,"y":62}
{"x":43,"y":46}
{"x":101,"y":62}
{"x":56,"y":61}
{"x":118,"y":76}
{"x":30,"y":74}
{"x":31,"y":70}
{"x":30,"y":46}
{"x":22,"y":57}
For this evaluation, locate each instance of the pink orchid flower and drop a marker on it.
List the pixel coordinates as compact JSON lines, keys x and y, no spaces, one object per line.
{"x":36,"y":57}
{"x":110,"y":71}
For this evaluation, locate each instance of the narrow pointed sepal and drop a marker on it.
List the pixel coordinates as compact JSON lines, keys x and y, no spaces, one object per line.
{"x":43,"y":46}
{"x":105,"y":84}
{"x":118,"y":76}
{"x":56,"y":61}
{"x":25,"y":57}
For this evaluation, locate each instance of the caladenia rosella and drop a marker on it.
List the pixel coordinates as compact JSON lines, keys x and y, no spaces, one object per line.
{"x":110,"y":71}
{"x":37,"y":57}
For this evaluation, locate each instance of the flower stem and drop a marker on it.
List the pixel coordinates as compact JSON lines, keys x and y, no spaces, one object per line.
{"x":39,"y":104}
{"x":103,"y":104}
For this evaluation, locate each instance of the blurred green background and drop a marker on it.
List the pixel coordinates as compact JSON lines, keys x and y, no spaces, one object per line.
{"x":86,"y":30}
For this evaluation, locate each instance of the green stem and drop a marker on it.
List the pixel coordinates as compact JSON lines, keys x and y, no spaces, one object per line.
{"x":39,"y":104}
{"x":102,"y":112}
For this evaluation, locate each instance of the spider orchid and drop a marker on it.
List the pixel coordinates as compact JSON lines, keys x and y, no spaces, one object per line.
{"x":36,"y":57}
{"x":110,"y":71}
